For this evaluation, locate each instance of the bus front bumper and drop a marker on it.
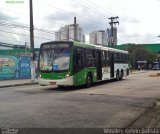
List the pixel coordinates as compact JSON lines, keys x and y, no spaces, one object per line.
{"x":61,"y":82}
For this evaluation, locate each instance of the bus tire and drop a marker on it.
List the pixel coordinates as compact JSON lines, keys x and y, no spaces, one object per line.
{"x":127,"y":72}
{"x":42,"y":85}
{"x":117,"y":75}
{"x":88,"y":80}
{"x":59,"y":86}
{"x":122,"y":74}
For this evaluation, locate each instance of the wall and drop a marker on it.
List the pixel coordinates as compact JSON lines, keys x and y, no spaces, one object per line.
{"x":14,"y":67}
{"x":24,"y":70}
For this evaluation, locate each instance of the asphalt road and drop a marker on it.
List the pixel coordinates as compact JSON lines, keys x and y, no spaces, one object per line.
{"x":112,"y":104}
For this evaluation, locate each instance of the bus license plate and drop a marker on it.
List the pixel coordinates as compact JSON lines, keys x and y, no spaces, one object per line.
{"x":52,"y":83}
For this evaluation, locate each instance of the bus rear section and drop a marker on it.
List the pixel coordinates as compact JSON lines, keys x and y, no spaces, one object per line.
{"x":55,"y":64}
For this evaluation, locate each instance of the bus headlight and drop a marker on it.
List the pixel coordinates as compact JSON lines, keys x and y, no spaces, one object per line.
{"x":40,"y":76}
{"x":67,"y":75}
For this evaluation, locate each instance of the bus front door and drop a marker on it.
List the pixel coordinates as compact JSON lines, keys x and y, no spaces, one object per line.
{"x":111,"y":58}
{"x":99,"y":66}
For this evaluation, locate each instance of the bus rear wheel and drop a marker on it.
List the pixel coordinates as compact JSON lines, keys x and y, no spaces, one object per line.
{"x":122,"y":74}
{"x":117,"y":75}
{"x":88,"y":81}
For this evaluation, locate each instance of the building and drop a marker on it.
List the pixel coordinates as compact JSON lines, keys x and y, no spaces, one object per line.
{"x":112,"y":39}
{"x":83,"y":38}
{"x":66,"y":33}
{"x":58,"y":35}
{"x":93,"y":37}
{"x":98,"y":37}
{"x":102,"y":37}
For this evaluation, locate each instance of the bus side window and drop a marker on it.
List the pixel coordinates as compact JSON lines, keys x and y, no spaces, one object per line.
{"x":79,"y":57}
{"x":90,"y":58}
{"x":76,"y":57}
{"x":107,"y":58}
{"x":103,"y":58}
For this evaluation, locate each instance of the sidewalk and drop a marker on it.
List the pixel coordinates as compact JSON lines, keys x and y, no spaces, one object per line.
{"x":150,"y":118}
{"x":19,"y":82}
{"x":138,"y":71}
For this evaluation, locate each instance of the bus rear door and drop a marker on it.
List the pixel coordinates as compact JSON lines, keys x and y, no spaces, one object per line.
{"x":99,"y":65}
{"x":111,"y":58}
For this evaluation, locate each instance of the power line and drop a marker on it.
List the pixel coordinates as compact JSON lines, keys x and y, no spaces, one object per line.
{"x":57,"y":22}
{"x":25,"y":28}
{"x":36,"y":36}
{"x":88,"y":7}
{"x":13,"y":24}
{"x":34,"y":16}
{"x":61,"y":31}
{"x":23,"y":34}
{"x":41,"y":30}
{"x":49,"y":18}
{"x":96,"y":7}
{"x":17,"y":27}
{"x":93,"y":21}
{"x":8,"y":26}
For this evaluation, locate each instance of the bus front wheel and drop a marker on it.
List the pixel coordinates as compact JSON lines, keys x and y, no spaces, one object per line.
{"x":88,"y":80}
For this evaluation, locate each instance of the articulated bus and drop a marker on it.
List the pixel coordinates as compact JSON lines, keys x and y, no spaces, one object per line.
{"x":67,"y":63}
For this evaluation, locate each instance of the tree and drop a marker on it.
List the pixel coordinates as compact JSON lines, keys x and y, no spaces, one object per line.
{"x":139,"y":53}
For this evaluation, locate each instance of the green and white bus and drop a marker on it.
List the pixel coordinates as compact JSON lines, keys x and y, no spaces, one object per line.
{"x":68,"y":63}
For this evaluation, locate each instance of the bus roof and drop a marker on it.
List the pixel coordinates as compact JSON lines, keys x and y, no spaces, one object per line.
{"x":91,"y":46}
{"x":86,"y":45}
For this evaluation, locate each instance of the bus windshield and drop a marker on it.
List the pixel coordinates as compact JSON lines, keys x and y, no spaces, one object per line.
{"x":54,"y":57}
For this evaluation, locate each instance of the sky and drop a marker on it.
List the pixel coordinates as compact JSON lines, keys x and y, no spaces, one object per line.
{"x":139,"y":20}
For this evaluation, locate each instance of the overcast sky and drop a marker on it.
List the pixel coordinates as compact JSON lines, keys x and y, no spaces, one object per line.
{"x":139,"y":19}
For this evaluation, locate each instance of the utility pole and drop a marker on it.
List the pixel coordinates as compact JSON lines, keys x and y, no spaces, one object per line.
{"x":113,"y":21}
{"x":31,"y":40}
{"x":159,"y":54}
{"x":25,"y":48}
{"x":75,"y":37}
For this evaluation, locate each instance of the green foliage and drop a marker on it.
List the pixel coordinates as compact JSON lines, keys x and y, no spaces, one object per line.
{"x":139,"y":53}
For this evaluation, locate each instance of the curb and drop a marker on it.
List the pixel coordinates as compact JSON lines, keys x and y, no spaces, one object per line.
{"x":22,"y":84}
